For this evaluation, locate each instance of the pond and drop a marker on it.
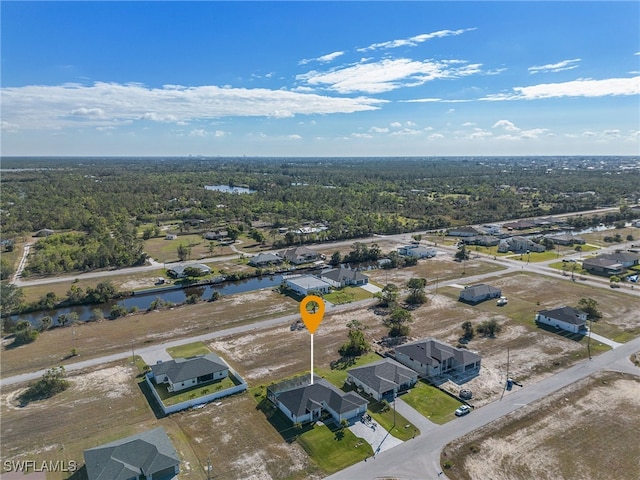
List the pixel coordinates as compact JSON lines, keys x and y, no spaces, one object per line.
{"x":142,"y":302}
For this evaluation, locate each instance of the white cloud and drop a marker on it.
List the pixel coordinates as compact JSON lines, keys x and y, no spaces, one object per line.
{"x":379,"y":130}
{"x":387,"y":74}
{"x":396,"y":124}
{"x":323,"y":59}
{"x":415,"y":40}
{"x":469,"y":124}
{"x":506,"y":125}
{"x":556,"y":67}
{"x":479,"y":133}
{"x":435,"y":136}
{"x":576,"y":88}
{"x":113,"y":104}
{"x":294,"y":137}
{"x":361,"y":135}
{"x":9,"y":127}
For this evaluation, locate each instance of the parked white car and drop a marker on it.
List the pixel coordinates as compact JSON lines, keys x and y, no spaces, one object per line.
{"x":463,"y":410}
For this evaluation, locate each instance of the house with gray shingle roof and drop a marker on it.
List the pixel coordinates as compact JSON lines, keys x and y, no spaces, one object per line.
{"x":566,"y":318}
{"x":343,"y":276}
{"x":382,"y":379}
{"x":302,"y":402}
{"x":263,"y":259}
{"x":148,"y":455}
{"x":299,"y":255}
{"x":479,"y":293}
{"x":183,"y":373}
{"x":431,"y":358}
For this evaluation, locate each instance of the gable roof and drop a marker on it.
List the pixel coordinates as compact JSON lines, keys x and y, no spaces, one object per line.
{"x":603,"y":261}
{"x":298,"y":253}
{"x":306,"y":398}
{"x":144,"y":453}
{"x":481,"y":289}
{"x":565,"y":314}
{"x":430,"y":351}
{"x":383,"y":375}
{"x":343,"y":273}
{"x":264,"y":258}
{"x":178,"y":270}
{"x":182,"y":369}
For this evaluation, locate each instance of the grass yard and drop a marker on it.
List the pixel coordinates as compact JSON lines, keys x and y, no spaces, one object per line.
{"x":337,"y":374}
{"x":163,"y":250}
{"x":188,"y":350}
{"x":432,"y":403}
{"x":347,"y":295}
{"x":403,"y":430}
{"x":334,"y":448}
{"x":172,"y":398}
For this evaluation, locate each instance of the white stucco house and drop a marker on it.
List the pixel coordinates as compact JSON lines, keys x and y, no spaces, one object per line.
{"x":303,"y":284}
{"x":382,"y":379}
{"x":183,"y":373}
{"x":431,"y":358}
{"x":302,"y":402}
{"x":566,"y":318}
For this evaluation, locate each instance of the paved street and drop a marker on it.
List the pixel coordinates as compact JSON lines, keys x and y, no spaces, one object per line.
{"x":420,"y":458}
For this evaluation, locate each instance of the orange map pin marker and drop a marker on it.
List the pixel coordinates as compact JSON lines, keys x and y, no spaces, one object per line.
{"x":312,"y":319}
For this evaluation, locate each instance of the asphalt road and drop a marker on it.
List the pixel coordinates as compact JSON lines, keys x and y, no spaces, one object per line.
{"x":419,"y":458}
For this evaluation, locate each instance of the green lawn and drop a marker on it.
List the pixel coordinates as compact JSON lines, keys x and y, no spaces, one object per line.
{"x":432,"y":403}
{"x":338,"y":372}
{"x":334,"y":448}
{"x":188,"y":350}
{"x":170,"y":398}
{"x":347,"y":295}
{"x":403,"y":430}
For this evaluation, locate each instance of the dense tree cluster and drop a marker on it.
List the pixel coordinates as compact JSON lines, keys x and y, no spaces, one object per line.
{"x":109,"y":206}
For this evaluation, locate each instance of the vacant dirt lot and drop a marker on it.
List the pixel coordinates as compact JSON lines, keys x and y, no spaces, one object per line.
{"x":588,"y":431}
{"x":95,"y":339}
{"x":105,"y":404}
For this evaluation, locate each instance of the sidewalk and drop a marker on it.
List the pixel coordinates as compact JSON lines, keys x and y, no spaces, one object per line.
{"x":605,"y":340}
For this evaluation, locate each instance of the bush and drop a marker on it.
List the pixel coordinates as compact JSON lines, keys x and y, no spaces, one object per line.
{"x":25,"y":336}
{"x":51,"y":383}
{"x":489,"y":328}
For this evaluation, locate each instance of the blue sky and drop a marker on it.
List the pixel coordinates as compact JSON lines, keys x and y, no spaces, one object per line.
{"x":320,"y":78}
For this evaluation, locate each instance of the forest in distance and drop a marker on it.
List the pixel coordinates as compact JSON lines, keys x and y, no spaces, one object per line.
{"x":109,"y":206}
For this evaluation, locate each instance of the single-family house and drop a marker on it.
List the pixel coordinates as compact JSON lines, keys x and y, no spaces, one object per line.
{"x":482,"y":240}
{"x":180,"y":271}
{"x":343,"y":276}
{"x":566,"y":318}
{"x":417,"y":251}
{"x":302,"y":402}
{"x":183,"y":373}
{"x":490,"y":229}
{"x":303,"y":284}
{"x":519,"y":245}
{"x":382,"y":379}
{"x":627,"y":259}
{"x":264,"y":259}
{"x":567,"y":240}
{"x":520,"y":225}
{"x":299,"y":255}
{"x":479,"y":293}
{"x":603,"y":265}
{"x":218,"y":235}
{"x":149,"y":455}
{"x":431,"y":358}
{"x":463,"y":232}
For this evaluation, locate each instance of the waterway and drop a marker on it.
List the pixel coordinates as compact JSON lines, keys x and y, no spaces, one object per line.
{"x":142,"y":302}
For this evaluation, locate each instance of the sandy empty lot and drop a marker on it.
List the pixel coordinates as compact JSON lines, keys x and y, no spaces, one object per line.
{"x":587,"y":431}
